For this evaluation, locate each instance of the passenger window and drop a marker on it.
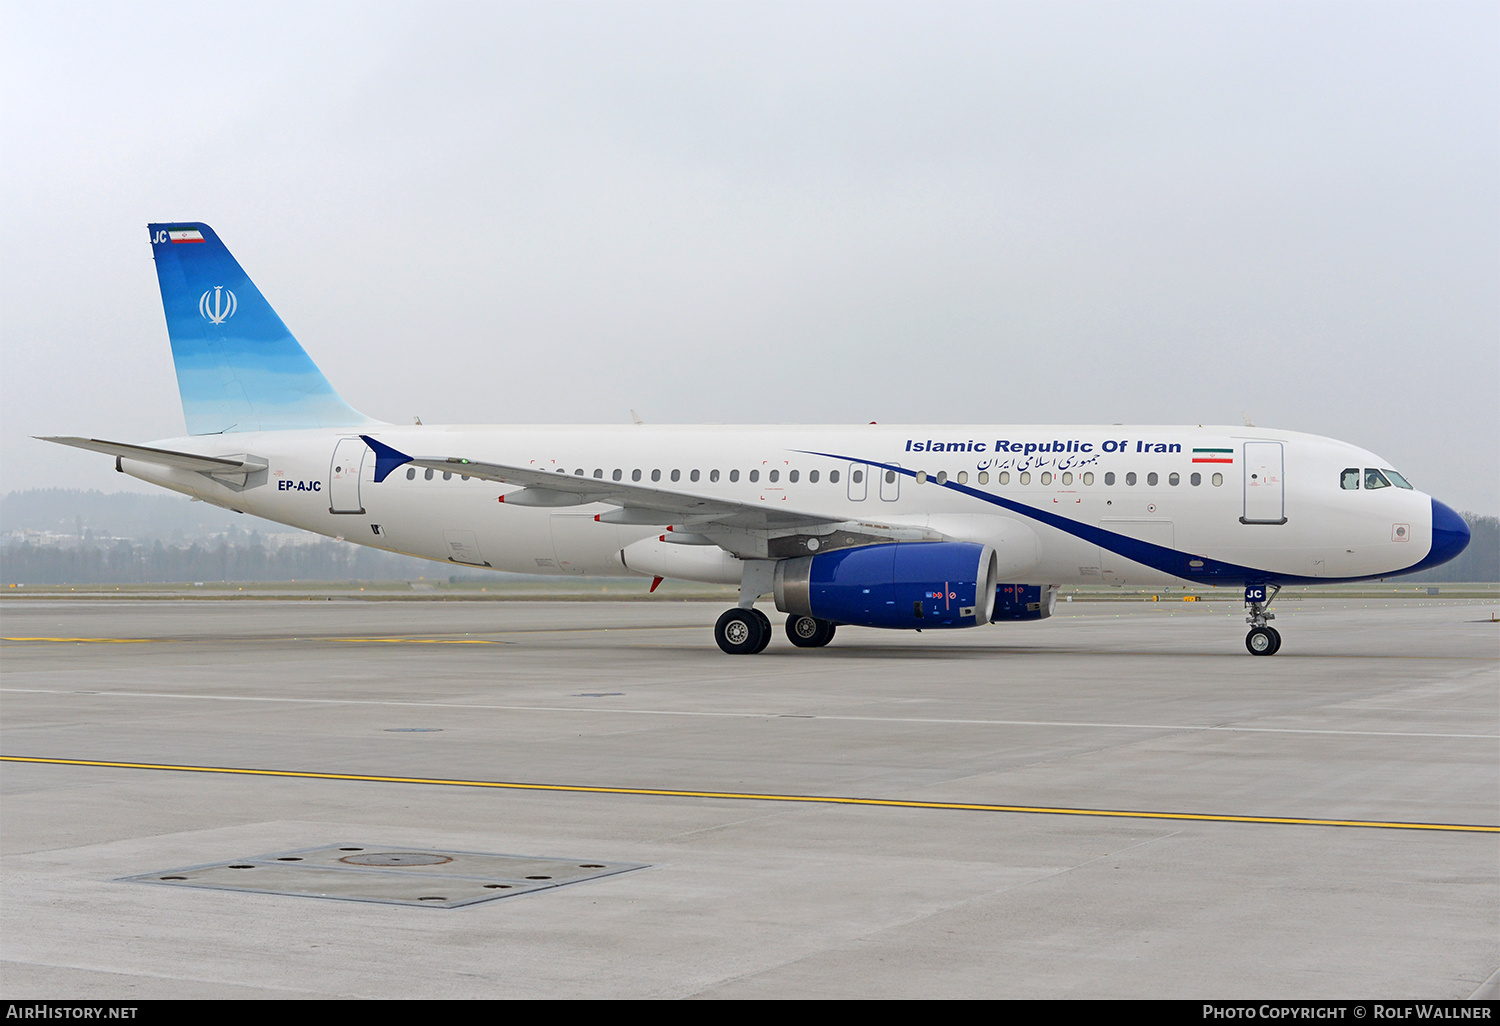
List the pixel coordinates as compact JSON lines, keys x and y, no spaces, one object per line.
{"x":1046,"y":477}
{"x":676,"y":475}
{"x":411,"y":473}
{"x":1373,"y":479}
{"x":656,"y":475}
{"x":792,"y":477}
{"x":1196,"y":479}
{"x":635,"y":475}
{"x":755,"y":475}
{"x":734,"y":475}
{"x":447,"y":475}
{"x":858,"y":476}
{"x":1396,"y":479}
{"x":1005,"y":477}
{"x":1068,"y":478}
{"x":463,"y":477}
{"x":1151,"y":479}
{"x":693,"y":476}
{"x":1109,"y":477}
{"x":576,"y":473}
{"x":1218,"y":480}
{"x":713,"y":475}
{"x":942,"y":477}
{"x":963,"y":477}
{"x":1349,"y":479}
{"x":812,"y":477}
{"x":890,"y":477}
{"x":1088,"y":477}
{"x":1174,"y":480}
{"x":833,"y":477}
{"x":774,"y":476}
{"x":984,"y":477}
{"x":599,"y":474}
{"x":427,"y":474}
{"x":1026,"y":477}
{"x":1130,"y":478}
{"x":616,"y":475}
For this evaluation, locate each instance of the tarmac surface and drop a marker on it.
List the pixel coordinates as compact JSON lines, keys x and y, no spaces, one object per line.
{"x":1114,"y":802}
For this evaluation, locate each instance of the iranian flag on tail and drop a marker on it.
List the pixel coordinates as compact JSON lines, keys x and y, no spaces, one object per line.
{"x":1213,"y":455}
{"x":185,"y":235}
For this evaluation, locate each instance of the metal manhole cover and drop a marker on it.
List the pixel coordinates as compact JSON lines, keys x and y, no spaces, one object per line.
{"x":396,"y":858}
{"x":350,"y":872}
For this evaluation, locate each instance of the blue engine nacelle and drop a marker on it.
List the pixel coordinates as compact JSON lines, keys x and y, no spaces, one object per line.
{"x":902,"y":584}
{"x":1024,"y":602}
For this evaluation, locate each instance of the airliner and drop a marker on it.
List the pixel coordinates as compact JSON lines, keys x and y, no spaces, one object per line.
{"x":917,"y":527}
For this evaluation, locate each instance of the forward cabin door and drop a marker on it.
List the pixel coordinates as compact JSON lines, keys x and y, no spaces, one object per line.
{"x":344,"y":474}
{"x":1265,"y":490}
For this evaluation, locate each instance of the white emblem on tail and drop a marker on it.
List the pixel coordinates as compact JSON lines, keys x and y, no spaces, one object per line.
{"x":217,"y":304}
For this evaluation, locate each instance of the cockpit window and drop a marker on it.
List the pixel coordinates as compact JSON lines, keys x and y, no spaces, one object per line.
{"x":1349,"y":479}
{"x":1375,"y":479}
{"x":1397,"y":479}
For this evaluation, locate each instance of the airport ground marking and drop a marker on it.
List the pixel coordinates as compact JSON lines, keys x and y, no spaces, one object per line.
{"x":756,"y":715}
{"x":189,"y":641}
{"x":811,"y":799}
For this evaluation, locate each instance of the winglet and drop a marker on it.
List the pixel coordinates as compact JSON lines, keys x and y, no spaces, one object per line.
{"x":386,"y":458}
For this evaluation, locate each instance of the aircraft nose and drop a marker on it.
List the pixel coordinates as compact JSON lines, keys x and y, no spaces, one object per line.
{"x":1450,"y":535}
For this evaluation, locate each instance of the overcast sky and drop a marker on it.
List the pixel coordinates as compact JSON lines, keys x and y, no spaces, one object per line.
{"x":558,"y":212}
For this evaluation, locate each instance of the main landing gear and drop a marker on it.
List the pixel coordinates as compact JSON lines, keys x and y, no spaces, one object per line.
{"x":743,"y":631}
{"x":748,"y":631}
{"x":809,"y":631}
{"x":1262,"y":639}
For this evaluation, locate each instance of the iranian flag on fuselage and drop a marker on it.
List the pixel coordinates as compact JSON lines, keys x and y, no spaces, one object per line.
{"x":1213,"y":455}
{"x":185,"y":235}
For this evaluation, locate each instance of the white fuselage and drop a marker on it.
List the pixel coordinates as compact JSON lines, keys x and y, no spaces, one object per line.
{"x":1023,"y":486}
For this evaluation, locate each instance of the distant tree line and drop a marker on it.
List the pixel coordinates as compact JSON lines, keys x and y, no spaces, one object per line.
{"x":125,"y":562}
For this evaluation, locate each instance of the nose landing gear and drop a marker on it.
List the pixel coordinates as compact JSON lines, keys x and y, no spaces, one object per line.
{"x":1262,"y":639}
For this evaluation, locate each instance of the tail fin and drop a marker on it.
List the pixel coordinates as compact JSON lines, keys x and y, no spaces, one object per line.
{"x":238,"y":367}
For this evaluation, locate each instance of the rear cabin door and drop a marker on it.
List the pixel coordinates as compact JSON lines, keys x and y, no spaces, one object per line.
{"x":1265,"y":493}
{"x":344,"y":474}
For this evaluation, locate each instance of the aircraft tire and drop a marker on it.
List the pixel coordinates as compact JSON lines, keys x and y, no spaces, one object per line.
{"x":766,"y":630}
{"x":808,"y":631}
{"x":1261,"y":641}
{"x":1275,"y":640}
{"x":741,"y":632}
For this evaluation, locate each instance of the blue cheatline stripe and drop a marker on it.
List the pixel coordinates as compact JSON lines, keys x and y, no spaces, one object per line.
{"x":1158,"y":557}
{"x":387,"y":458}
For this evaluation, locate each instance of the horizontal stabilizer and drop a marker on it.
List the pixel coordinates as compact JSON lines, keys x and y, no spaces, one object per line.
{"x":227,"y":468}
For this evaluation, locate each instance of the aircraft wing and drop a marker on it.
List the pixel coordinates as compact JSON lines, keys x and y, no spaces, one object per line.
{"x":557,"y":488}
{"x":751,"y":530}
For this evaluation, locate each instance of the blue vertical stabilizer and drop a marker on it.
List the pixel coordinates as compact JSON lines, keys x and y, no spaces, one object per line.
{"x":238,"y":367}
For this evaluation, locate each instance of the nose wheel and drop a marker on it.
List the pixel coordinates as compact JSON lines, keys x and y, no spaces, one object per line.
{"x":1263,"y":641}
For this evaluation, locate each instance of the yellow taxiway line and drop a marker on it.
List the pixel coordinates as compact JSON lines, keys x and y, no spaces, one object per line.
{"x":899,"y":803}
